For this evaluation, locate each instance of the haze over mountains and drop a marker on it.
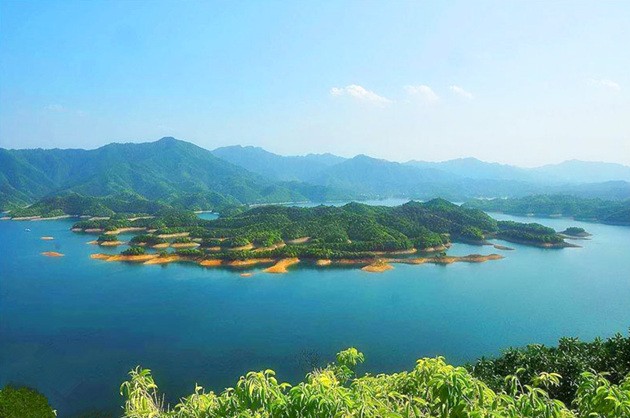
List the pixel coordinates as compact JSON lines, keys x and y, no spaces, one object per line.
{"x":177,"y":171}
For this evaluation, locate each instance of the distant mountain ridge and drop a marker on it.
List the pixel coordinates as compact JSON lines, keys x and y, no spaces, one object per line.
{"x":186,"y":175}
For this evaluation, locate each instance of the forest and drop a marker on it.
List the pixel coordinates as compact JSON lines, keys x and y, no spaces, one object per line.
{"x":605,"y":211}
{"x":326,"y":232}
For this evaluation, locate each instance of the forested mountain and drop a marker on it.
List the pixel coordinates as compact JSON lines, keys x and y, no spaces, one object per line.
{"x":476,"y":169}
{"x":614,"y":212}
{"x":576,"y":171}
{"x":567,"y":172}
{"x":168,"y":170}
{"x":181,"y":174}
{"x":260,"y":161}
{"x":457,"y":179}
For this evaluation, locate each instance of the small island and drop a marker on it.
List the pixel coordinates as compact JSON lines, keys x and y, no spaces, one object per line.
{"x":278,"y":237}
{"x":575,"y":232}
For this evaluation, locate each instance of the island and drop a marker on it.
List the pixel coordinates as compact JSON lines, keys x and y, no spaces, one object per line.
{"x":591,"y":210}
{"x":278,"y":237}
{"x":575,"y":232}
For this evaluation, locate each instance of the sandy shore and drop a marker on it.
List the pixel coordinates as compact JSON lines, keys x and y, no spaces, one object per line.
{"x":210,"y":263}
{"x":47,"y":238}
{"x":281,"y":266}
{"x":162,"y":245}
{"x":123,"y":230}
{"x":243,"y":248}
{"x":52,"y":254}
{"x":184,"y":245}
{"x":378,"y":266}
{"x":502,"y":247}
{"x":302,"y":240}
{"x":367,"y":264}
{"x":472,"y":258}
{"x":247,"y":274}
{"x":164,"y":260}
{"x":39,"y":218}
{"x":120,"y":257}
{"x":435,"y":249}
{"x":109,"y":243}
{"x":540,"y":244}
{"x":249,"y":262}
{"x":400,"y":252}
{"x":176,"y":235}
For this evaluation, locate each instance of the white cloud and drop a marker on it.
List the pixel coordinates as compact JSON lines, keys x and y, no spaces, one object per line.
{"x":461,"y":92}
{"x":612,"y":85}
{"x":55,"y":108}
{"x":360,"y":93}
{"x":423,"y":91}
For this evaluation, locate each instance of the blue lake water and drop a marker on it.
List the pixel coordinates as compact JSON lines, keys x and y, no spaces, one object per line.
{"x":72,"y":326}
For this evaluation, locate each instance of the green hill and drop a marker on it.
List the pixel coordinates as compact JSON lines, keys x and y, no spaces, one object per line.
{"x":169,"y":170}
{"x":613,"y":212}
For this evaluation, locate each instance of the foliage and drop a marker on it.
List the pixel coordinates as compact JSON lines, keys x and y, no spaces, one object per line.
{"x":574,"y":231}
{"x":351,"y":231}
{"x":22,"y":402}
{"x":134,"y":251}
{"x":107,"y":238}
{"x":148,"y":239}
{"x":531,"y":232}
{"x":171,"y":172}
{"x":570,"y":358}
{"x":606,"y":211}
{"x":431,"y":389}
{"x":189,"y":252}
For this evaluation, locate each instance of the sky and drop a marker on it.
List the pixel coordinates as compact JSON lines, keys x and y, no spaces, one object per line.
{"x":517,"y":82}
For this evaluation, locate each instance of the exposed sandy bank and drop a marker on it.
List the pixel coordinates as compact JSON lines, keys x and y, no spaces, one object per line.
{"x":123,"y":230}
{"x":302,"y":240}
{"x":378,"y":266}
{"x":281,"y":266}
{"x":52,"y":254}
{"x":184,"y":245}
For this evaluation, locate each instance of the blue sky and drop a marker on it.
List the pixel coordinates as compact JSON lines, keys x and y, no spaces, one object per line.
{"x":526,"y":83}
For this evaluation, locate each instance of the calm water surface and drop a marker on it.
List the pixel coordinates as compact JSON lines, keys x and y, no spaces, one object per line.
{"x":72,"y":327}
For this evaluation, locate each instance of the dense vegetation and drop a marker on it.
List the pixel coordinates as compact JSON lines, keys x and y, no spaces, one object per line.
{"x":79,"y":205}
{"x":350,"y":231}
{"x":531,"y":232}
{"x":173,"y":172}
{"x":185,"y":176}
{"x":22,"y":402}
{"x":575,"y":231}
{"x":517,"y":386}
{"x":614,"y":212}
{"x":570,"y":359}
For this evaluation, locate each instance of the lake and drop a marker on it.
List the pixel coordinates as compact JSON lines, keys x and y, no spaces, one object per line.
{"x":72,"y":327}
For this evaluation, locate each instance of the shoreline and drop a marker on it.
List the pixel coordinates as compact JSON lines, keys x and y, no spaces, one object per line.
{"x":281,"y":265}
{"x":562,"y":244}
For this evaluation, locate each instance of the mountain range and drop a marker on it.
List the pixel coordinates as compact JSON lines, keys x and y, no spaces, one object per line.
{"x":181,"y":173}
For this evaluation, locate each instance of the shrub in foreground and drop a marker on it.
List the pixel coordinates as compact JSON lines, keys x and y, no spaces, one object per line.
{"x":431,"y":389}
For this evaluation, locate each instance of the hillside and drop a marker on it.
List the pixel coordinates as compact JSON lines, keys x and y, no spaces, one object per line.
{"x":169,"y":170}
{"x":274,"y":166}
{"x":184,"y":175}
{"x":458,"y":179}
{"x":613,"y":212}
